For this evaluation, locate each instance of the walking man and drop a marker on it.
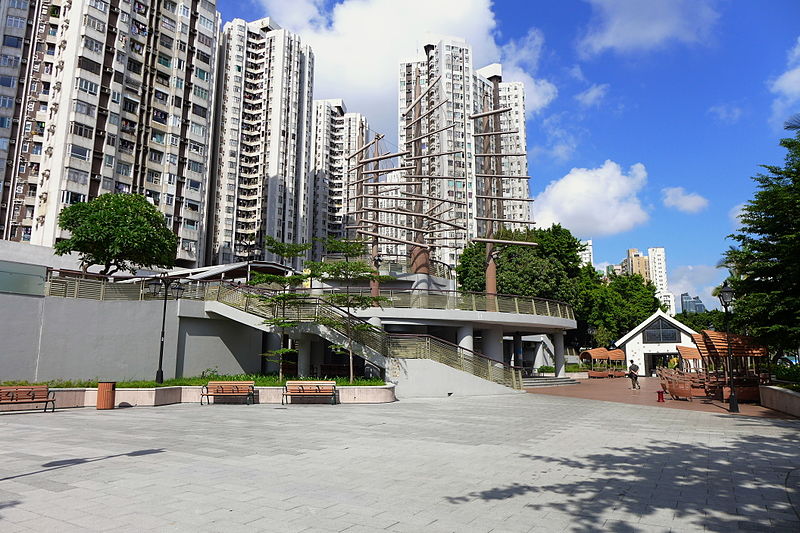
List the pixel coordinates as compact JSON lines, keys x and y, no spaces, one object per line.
{"x":633,"y":373}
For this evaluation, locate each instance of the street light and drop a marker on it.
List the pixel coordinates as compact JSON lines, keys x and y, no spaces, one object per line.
{"x":177,"y":290}
{"x":726,"y":299}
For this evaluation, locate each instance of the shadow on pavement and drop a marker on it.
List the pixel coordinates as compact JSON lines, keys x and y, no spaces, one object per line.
{"x":65,"y":463}
{"x":749,"y":482}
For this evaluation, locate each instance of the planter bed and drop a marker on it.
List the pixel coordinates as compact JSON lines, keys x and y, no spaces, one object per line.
{"x":153,"y":397}
{"x":780,"y":399}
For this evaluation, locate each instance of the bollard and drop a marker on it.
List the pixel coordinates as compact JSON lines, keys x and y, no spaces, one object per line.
{"x":660,"y":396}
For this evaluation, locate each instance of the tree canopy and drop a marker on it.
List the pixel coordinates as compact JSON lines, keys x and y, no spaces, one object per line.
{"x":609,"y":307}
{"x":121,"y":232}
{"x":767,"y":277}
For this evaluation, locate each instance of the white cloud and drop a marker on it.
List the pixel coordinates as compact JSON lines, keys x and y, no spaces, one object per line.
{"x":634,"y":25}
{"x":727,"y":113}
{"x":593,"y":95}
{"x":358,"y":45}
{"x":786,"y":88}
{"x":577,"y":72}
{"x":734,"y":214}
{"x":696,"y":280}
{"x":594,"y":202}
{"x":561,"y":140}
{"x":688,"y":202}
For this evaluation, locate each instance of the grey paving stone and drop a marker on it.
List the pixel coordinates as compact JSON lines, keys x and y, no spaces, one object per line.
{"x":519,"y":463}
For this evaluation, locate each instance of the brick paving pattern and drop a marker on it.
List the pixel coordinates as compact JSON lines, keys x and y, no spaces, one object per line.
{"x":526,"y":462}
{"x":619,"y":390}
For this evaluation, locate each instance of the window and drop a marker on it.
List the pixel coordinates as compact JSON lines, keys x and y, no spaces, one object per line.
{"x":200,"y":92}
{"x":9,"y":61}
{"x":166,"y":41}
{"x":196,"y":166}
{"x":92,"y":44}
{"x":69,"y":197}
{"x":157,"y":136}
{"x":18,"y":4}
{"x":123,"y":169}
{"x":169,"y":200}
{"x":134,"y":66}
{"x":197,"y":110}
{"x":200,"y":73}
{"x":12,"y":41}
{"x":661,"y":331}
{"x":191,"y":206}
{"x":108,"y":160}
{"x":197,"y":129}
{"x":81,"y":129}
{"x":178,"y":83}
{"x":87,"y":86}
{"x":168,"y":23}
{"x":164,"y":60}
{"x":197,"y":148}
{"x":130,"y":106}
{"x":154,"y":177}
{"x":95,"y":23}
{"x":113,"y":118}
{"x":155,"y":156}
{"x":77,"y":176}
{"x":79,"y":152}
{"x":6,"y":101}
{"x":188,"y":245}
{"x":160,"y":116}
{"x":87,"y":64}
{"x":172,"y":159}
{"x":205,"y":58}
{"x":99,"y":5}
{"x":8,"y":81}
{"x":189,"y":224}
{"x":5,"y":122}
{"x":204,"y":39}
{"x":206,"y":22}
{"x":194,"y":185}
{"x":161,"y":97}
{"x":15,"y":22}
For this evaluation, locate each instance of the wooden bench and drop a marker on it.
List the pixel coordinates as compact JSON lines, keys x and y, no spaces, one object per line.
{"x":309,"y":389}
{"x":598,"y":373}
{"x":229,"y":388}
{"x":28,"y":394}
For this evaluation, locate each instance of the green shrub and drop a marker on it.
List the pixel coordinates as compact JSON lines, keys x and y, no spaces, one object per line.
{"x":546,"y":369}
{"x":787,"y":373}
{"x":261,"y":381}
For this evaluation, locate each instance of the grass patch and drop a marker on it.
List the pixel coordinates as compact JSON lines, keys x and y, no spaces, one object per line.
{"x":261,"y":381}
{"x":791,"y":386}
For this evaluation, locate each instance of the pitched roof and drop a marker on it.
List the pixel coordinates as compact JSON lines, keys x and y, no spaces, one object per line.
{"x":688,"y":352}
{"x":644,"y":323}
{"x":595,"y":353}
{"x":616,"y":355}
{"x":715,"y":344}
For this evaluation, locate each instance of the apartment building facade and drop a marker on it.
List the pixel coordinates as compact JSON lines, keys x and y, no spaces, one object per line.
{"x":466,"y":90}
{"x":122,"y":101}
{"x":337,"y":134}
{"x":263,"y":186}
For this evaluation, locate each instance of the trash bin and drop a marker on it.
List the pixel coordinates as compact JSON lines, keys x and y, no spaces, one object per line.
{"x":106,"y":394}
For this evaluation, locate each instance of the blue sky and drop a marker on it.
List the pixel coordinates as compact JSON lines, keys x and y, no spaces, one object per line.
{"x":646,"y":119}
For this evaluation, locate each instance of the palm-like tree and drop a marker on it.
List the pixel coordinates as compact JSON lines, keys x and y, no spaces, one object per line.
{"x":793,"y":123}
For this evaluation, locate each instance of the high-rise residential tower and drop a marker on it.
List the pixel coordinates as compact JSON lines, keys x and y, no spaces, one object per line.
{"x":657,"y":265}
{"x":464,"y":91}
{"x":122,"y":101}
{"x":587,"y":255}
{"x":263,"y":186}
{"x":337,"y":133}
{"x":20,"y":29}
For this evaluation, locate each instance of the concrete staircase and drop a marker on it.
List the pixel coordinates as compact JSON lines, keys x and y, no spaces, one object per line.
{"x":547,"y":381}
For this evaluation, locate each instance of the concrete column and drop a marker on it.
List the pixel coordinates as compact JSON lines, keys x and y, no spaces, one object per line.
{"x":317,"y":356}
{"x":558,"y":348}
{"x":304,"y":356}
{"x":516,"y":356}
{"x":465,"y":337}
{"x":493,"y":343}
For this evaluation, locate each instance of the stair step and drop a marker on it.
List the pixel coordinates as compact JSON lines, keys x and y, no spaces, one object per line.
{"x":528,"y":383}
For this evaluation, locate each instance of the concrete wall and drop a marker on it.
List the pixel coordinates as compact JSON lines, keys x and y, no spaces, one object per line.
{"x":780,"y":399}
{"x":46,"y":338}
{"x":423,"y":378}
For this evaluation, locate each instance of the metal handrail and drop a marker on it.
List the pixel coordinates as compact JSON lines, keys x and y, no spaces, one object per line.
{"x":400,"y":346}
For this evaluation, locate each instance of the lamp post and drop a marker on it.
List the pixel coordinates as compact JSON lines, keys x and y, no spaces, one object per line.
{"x":177,"y":290}
{"x":726,"y":298}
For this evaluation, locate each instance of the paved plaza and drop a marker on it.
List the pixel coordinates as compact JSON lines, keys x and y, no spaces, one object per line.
{"x":525,"y":462}
{"x":619,"y":390}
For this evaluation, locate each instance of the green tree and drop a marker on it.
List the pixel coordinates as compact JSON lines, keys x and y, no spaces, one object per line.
{"x":713,"y":319}
{"x":352,"y":270}
{"x":767,"y":287}
{"x":285,"y":303}
{"x":121,"y":232}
